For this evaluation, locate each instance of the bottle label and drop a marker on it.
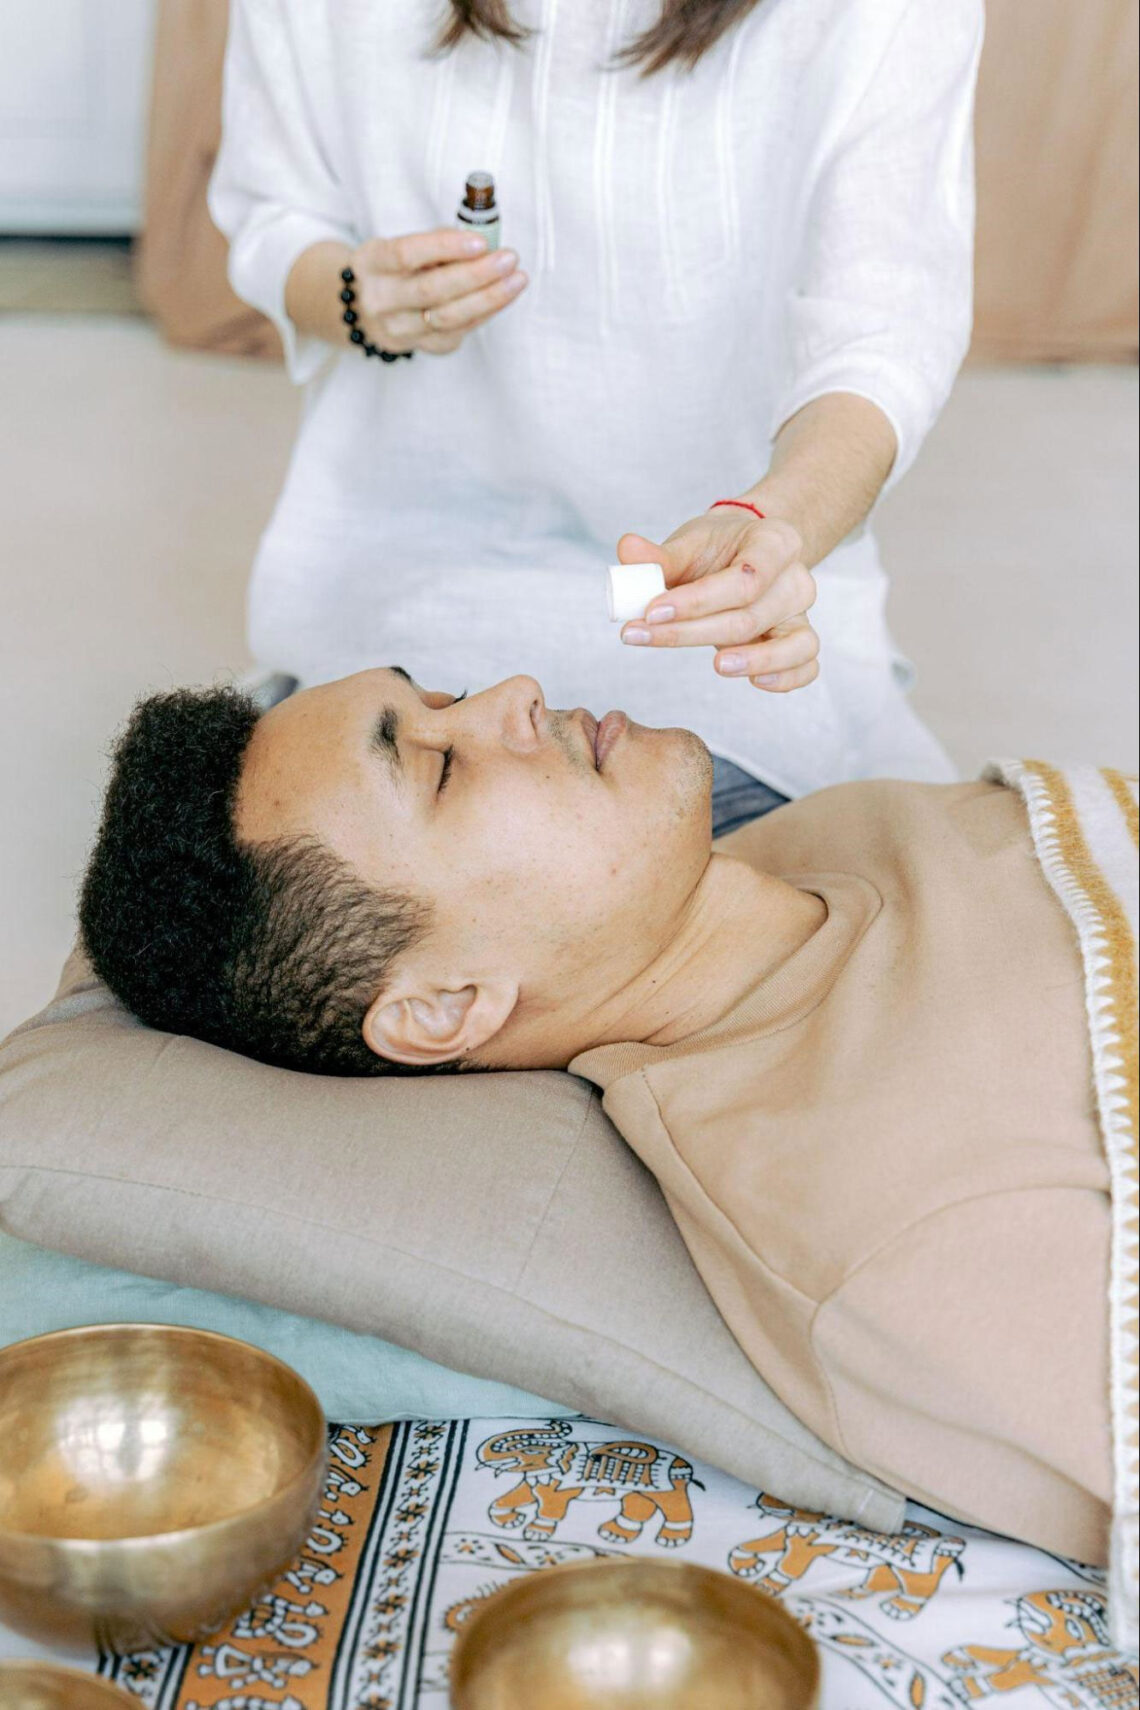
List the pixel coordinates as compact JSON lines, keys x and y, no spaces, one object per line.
{"x":486,"y":223}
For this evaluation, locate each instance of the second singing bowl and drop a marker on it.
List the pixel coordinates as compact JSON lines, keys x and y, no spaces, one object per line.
{"x":632,"y":1635}
{"x":153,"y":1480}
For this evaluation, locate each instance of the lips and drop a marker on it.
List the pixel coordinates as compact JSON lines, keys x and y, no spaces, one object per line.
{"x":609,"y":732}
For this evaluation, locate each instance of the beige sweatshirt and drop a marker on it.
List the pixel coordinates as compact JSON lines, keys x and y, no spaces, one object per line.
{"x":886,"y":1161}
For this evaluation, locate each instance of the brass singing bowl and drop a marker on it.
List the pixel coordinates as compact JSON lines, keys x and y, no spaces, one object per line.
{"x":632,"y":1635}
{"x":153,"y":1480}
{"x":46,"y":1686}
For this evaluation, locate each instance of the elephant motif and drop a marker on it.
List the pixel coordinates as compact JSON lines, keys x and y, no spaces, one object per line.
{"x":905,"y":1568}
{"x":1066,"y":1655}
{"x":556,"y":1469}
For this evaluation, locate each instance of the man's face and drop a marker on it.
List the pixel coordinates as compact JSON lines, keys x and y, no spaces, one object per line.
{"x":552,"y":850}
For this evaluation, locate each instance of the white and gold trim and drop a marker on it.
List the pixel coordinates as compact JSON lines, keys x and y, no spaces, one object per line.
{"x":1084,"y":822}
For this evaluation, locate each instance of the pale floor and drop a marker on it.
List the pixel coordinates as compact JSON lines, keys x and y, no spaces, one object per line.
{"x":134,"y":481}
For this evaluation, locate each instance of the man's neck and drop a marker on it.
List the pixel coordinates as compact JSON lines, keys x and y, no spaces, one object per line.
{"x":739,"y":927}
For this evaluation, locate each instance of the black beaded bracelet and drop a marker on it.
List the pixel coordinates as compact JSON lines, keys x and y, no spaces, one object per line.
{"x":350,"y":317}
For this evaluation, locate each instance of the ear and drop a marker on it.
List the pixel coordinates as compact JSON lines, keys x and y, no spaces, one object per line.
{"x":423,"y":1025}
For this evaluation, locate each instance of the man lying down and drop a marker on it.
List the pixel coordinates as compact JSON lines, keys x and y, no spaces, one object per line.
{"x":850,"y":1040}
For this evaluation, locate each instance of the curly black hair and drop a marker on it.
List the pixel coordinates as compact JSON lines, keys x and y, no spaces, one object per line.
{"x":275,"y":949}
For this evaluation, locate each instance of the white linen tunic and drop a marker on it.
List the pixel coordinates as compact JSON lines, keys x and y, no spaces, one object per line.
{"x":708,"y":250}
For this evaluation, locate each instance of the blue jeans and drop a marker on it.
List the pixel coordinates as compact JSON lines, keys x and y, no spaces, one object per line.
{"x":738,"y":797}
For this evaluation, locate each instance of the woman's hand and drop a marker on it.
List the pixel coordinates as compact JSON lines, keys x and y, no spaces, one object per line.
{"x":427,"y":290}
{"x":738,"y":583}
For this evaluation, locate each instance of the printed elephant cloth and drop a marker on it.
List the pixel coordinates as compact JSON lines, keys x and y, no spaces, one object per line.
{"x":423,"y":1520}
{"x":1085,"y":832}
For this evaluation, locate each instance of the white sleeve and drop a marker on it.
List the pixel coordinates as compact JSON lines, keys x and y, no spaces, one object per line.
{"x":883,"y":298}
{"x":274,"y":190}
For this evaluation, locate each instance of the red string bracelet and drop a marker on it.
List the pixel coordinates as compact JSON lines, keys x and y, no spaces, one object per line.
{"x":743,"y":504}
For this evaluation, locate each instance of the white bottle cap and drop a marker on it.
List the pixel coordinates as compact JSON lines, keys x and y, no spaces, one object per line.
{"x":630,"y":588}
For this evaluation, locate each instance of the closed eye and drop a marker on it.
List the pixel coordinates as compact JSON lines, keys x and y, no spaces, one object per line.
{"x":448,"y":754}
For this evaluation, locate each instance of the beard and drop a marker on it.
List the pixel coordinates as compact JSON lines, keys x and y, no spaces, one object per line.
{"x":694,"y":776}
{"x":689,"y":766}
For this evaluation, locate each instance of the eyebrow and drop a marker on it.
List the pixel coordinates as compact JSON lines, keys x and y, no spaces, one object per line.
{"x":385,"y":738}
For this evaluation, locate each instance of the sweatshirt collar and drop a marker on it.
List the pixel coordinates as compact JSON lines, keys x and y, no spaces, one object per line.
{"x":789,"y":993}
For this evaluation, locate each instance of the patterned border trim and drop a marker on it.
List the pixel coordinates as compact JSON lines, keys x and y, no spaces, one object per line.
{"x":1085,"y":831}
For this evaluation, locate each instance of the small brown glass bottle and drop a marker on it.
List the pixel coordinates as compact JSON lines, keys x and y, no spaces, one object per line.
{"x":478,"y":211}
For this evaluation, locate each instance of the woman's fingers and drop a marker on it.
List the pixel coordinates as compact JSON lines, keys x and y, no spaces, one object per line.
{"x":447,"y":273}
{"x":719,"y":591}
{"x":784,"y":660}
{"x":781,"y":683}
{"x":742,"y":606}
{"x":413,"y":250}
{"x":459,"y":314}
{"x":440,"y":344}
{"x":438,"y":285}
{"x":738,"y":585}
{"x":741,"y":584}
{"x":396,"y":293}
{"x":679,"y":560}
{"x":712,"y":545}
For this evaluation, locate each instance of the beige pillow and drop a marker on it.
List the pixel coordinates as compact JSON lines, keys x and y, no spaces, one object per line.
{"x":497,"y":1224}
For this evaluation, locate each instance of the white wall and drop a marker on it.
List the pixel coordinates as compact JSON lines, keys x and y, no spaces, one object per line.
{"x":74,"y":85}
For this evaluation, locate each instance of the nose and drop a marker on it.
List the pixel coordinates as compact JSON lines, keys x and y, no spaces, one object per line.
{"x":519,"y":709}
